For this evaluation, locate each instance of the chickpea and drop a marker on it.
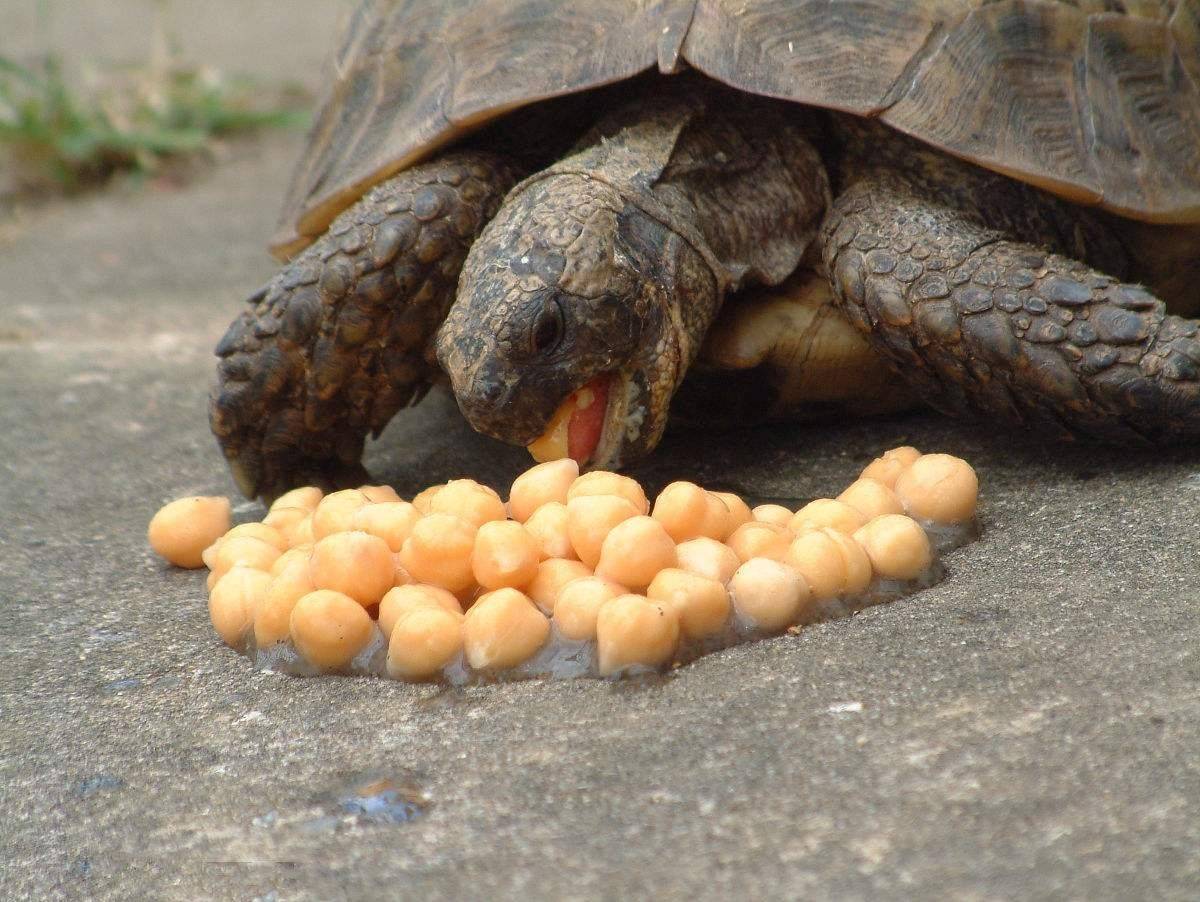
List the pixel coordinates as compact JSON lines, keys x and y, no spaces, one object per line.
{"x":259,"y":531}
{"x":379,"y":494}
{"x":775,"y":514}
{"x":392,"y":521}
{"x":753,"y":539}
{"x":424,"y":499}
{"x":181,"y":530}
{"x":590,"y":518}
{"x":356,"y":564}
{"x":707,"y":557}
{"x":398,"y":602}
{"x":287,"y":520}
{"x":768,"y":595}
{"x":890,"y":465}
{"x":244,"y":551}
{"x":820,"y":560}
{"x":306,"y":497}
{"x":402,"y":577}
{"x":233,"y":601}
{"x":602,"y":482}
{"x":578,"y":604}
{"x":552,"y":575}
{"x":469,"y":501}
{"x":736,"y":513}
{"x":686,"y":511}
{"x":827,"y":512}
{"x":631,"y":630}
{"x":634,"y":551}
{"x":859,"y":572}
{"x":540,"y":485}
{"x":871,"y":498}
{"x":272,"y":618}
{"x":438,"y":552}
{"x":505,"y":555}
{"x":503,"y":629}
{"x":423,"y":643}
{"x":940,"y":488}
{"x":548,"y":526}
{"x":336,"y":512}
{"x":300,"y":553}
{"x":897,"y":546}
{"x":329,"y":628}
{"x":302,"y":533}
{"x":701,"y":604}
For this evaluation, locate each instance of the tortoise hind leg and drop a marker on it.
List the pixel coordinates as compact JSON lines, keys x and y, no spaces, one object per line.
{"x":953,"y":274}
{"x":338,"y":341}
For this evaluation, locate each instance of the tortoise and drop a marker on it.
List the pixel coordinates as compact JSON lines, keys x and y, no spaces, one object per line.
{"x":567,"y":207}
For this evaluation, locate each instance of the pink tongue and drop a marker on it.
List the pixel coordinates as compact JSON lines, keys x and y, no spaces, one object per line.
{"x":583,"y":432}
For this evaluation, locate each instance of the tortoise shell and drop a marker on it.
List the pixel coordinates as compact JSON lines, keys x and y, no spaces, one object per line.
{"x":1097,"y":101}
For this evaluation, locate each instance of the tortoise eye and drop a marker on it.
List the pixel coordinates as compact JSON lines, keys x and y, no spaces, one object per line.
{"x":548,"y":330}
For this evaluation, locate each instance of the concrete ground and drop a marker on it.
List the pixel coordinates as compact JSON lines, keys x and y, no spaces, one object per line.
{"x":1026,"y":729}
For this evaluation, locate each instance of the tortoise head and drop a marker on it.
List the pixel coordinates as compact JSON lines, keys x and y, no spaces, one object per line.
{"x":565,"y":290}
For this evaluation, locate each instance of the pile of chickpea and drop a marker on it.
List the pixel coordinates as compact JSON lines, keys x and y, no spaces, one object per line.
{"x":576,"y":575}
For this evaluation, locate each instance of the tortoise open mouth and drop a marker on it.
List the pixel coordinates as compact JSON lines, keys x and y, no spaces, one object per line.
{"x":592,"y":424}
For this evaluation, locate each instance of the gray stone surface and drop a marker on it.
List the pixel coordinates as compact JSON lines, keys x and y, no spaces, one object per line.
{"x":1026,"y":729}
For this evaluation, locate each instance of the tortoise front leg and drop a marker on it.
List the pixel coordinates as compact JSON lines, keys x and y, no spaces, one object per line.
{"x":339,"y":340}
{"x":959,"y":278}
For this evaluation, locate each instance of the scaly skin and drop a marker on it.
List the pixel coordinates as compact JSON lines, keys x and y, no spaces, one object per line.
{"x":339,"y":340}
{"x":969,"y":283}
{"x":616,"y":259}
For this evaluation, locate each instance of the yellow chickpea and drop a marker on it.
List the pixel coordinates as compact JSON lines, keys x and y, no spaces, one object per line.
{"x":423,"y":643}
{"x":392,"y":521}
{"x":551,"y":576}
{"x":336,"y":512}
{"x":302,"y":533}
{"x":233,"y":601}
{"x":401,"y":576}
{"x":768,"y":595}
{"x":548,"y":526}
{"x":756,"y":539}
{"x":579,"y":602}
{"x":701,"y":604}
{"x":438,"y":552}
{"x":272,"y":618}
{"x":541,"y":485}
{"x":181,"y":530}
{"x":329,"y":628}
{"x":301,"y":553}
{"x":634,"y":551}
{"x":259,"y":531}
{"x":356,"y":564}
{"x":505,"y":555}
{"x":827,"y":512}
{"x":687,"y":511}
{"x":940,"y":488}
{"x":888,"y":467}
{"x":897,"y":546}
{"x":602,"y":482}
{"x":306,"y":497}
{"x":859,"y":571}
{"x":819,"y":559}
{"x":379,"y":494}
{"x":469,"y":501}
{"x":775,"y":514}
{"x":424,"y":499}
{"x":707,"y":557}
{"x":736,"y":513}
{"x":287,"y":520}
{"x":871,"y":498}
{"x":590,"y":518}
{"x":633,"y":631}
{"x":398,"y":602}
{"x":503,"y":629}
{"x":243,"y":551}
